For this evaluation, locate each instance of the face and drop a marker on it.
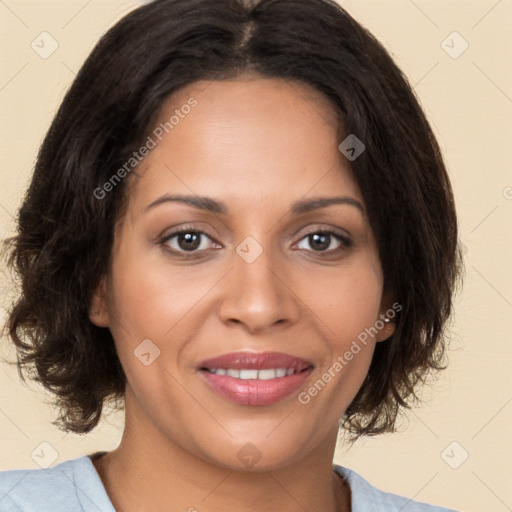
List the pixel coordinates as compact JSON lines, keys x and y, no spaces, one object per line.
{"x":243,"y":270}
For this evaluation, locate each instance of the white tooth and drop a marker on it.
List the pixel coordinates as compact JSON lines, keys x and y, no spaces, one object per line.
{"x":267,"y":374}
{"x":248,"y":374}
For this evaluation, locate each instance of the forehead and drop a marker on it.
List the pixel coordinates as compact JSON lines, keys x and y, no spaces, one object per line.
{"x":249,"y":138}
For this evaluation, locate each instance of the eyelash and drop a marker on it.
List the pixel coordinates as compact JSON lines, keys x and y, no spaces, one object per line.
{"x":345,"y":242}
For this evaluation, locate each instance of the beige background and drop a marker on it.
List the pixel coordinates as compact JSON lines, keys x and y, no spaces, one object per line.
{"x":469,"y":102}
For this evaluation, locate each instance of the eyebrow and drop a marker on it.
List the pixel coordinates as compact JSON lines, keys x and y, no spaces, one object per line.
{"x":213,"y":206}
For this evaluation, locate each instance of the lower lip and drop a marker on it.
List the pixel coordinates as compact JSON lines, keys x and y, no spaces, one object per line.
{"x":256,"y":392}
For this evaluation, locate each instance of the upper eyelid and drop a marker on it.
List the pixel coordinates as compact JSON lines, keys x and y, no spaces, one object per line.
{"x":185,"y":228}
{"x":331,"y":229}
{"x":179,"y":231}
{"x":344,"y":239}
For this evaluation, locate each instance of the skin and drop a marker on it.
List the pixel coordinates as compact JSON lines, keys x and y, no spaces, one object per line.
{"x":257,"y":145}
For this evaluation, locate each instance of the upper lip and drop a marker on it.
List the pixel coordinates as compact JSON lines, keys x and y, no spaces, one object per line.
{"x":256,"y":361}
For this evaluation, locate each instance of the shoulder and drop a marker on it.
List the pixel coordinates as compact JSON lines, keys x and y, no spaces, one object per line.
{"x":367,"y":498}
{"x":70,"y":485}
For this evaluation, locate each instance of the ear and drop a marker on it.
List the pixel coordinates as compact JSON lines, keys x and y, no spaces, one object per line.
{"x":388,"y":328}
{"x":386,"y":323}
{"x":98,"y":313}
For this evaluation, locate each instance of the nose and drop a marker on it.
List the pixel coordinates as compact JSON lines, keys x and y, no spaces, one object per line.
{"x":259,"y":295}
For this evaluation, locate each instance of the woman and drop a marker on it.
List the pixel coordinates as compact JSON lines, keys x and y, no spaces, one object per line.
{"x":241,"y":228}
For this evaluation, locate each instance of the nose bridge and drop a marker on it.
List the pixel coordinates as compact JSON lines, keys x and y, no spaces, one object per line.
{"x":257,"y":276}
{"x":256,"y":295}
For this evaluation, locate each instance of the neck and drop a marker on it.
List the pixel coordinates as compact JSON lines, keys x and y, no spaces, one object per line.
{"x":148,"y":471}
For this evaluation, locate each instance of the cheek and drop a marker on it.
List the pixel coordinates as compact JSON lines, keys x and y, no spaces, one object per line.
{"x":348,"y":305}
{"x":149,"y":296}
{"x":346,"y":301}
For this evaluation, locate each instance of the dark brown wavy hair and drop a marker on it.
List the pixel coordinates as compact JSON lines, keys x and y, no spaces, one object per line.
{"x":65,"y":232}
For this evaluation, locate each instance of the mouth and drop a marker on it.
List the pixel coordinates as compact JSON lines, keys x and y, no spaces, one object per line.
{"x":255,"y":379}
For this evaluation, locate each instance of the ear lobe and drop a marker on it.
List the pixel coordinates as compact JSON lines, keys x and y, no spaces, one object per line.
{"x":98,"y":312}
{"x":386,"y":325}
{"x":387,"y":330}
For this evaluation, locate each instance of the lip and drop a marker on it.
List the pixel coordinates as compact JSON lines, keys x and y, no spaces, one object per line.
{"x":252,"y":391}
{"x":256,"y":361}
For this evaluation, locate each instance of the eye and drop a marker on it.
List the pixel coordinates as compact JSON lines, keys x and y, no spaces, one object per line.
{"x":326,"y":240}
{"x":189,"y":240}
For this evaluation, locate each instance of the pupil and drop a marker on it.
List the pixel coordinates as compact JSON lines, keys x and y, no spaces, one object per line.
{"x":189,"y":241}
{"x":320,"y":241}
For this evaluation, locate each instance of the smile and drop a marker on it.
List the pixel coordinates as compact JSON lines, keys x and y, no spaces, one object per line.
{"x":247,"y":374}
{"x":254,"y":379}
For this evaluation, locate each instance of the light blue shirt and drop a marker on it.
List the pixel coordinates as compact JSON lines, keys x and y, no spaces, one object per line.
{"x":75,"y":486}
